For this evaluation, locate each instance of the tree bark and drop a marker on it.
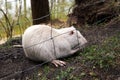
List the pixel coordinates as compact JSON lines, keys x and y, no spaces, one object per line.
{"x":40,"y":11}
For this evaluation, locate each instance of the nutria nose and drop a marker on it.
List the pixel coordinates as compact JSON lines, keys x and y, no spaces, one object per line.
{"x":85,"y":43}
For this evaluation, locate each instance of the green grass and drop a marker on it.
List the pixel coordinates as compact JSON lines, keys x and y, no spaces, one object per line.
{"x":64,"y":73}
{"x":103,"y":55}
{"x":18,"y":26}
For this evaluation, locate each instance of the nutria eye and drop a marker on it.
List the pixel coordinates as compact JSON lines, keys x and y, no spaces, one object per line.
{"x":71,"y":32}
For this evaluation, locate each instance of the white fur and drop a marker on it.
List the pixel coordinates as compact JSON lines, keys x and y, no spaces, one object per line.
{"x":38,"y":45}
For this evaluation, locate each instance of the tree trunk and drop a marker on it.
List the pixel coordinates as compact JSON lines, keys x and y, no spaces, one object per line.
{"x":40,"y":11}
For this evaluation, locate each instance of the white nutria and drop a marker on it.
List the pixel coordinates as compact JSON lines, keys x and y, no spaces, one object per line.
{"x":38,"y":44}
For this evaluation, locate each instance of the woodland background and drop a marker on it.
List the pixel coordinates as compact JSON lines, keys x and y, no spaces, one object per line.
{"x":97,"y":20}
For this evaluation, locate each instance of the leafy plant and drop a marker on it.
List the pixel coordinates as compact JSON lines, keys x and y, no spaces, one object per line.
{"x":64,"y":74}
{"x":103,"y":56}
{"x":8,"y":26}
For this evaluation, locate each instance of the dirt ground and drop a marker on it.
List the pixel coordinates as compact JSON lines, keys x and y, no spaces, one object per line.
{"x":13,"y":60}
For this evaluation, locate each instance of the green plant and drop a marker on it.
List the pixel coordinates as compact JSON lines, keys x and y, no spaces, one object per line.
{"x":103,"y":55}
{"x":64,"y":74}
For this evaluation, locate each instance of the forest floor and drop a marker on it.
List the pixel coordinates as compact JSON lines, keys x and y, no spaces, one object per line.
{"x":15,"y":66}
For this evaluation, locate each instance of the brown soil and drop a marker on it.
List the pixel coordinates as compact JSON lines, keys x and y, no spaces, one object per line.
{"x":13,"y":60}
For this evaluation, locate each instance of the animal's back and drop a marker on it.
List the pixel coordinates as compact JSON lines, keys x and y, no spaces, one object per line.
{"x":38,"y":45}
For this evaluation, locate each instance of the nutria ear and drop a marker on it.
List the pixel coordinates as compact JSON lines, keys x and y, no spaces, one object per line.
{"x":71,"y":32}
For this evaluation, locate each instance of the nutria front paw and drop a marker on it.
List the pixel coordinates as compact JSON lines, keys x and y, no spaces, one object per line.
{"x":58,"y":63}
